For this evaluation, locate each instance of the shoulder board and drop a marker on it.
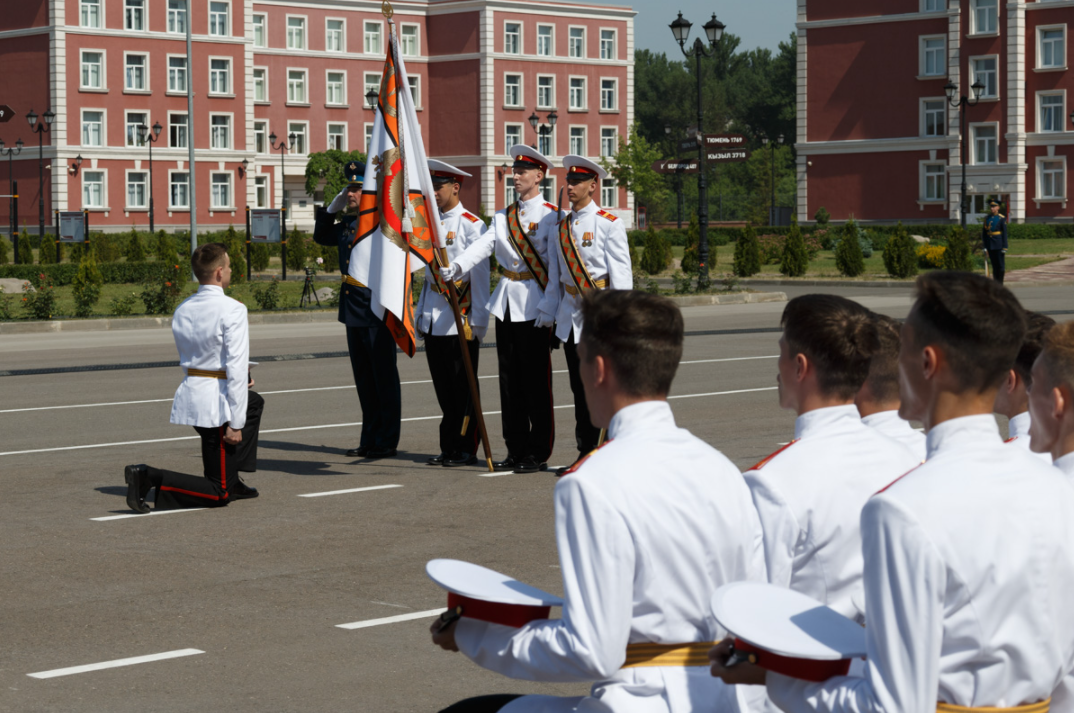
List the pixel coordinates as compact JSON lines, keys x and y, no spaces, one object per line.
{"x":549,"y":206}
{"x":1012,"y":439}
{"x":764,"y":461}
{"x":897,"y":479}
{"x":578,"y":463}
{"x":470,"y":217}
{"x":606,"y":214}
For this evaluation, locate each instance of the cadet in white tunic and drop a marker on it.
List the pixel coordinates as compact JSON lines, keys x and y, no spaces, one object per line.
{"x":1051,"y":400}
{"x":647,"y":528}
{"x":1012,"y":400}
{"x":436,"y":320}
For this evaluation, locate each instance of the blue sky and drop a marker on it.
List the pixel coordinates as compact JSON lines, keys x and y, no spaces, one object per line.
{"x":760,"y":23}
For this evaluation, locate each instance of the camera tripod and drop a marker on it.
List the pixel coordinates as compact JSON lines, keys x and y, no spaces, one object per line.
{"x":308,"y":293}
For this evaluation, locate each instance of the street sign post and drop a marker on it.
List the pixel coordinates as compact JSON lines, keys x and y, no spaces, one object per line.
{"x":6,"y":113}
{"x":673,"y":166}
{"x":688,"y":145}
{"x":721,"y":141}
{"x":730,"y":156}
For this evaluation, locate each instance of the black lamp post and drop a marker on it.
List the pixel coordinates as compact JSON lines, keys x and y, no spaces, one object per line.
{"x":75,"y":165}
{"x":543,"y":130}
{"x":40,"y":128}
{"x":283,"y":148}
{"x":12,"y":188}
{"x":144,"y":137}
{"x":678,"y":180}
{"x":371,"y":98}
{"x":680,"y":28}
{"x":962,"y":102}
{"x":772,"y":161}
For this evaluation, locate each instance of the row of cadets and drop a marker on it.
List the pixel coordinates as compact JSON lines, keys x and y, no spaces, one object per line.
{"x":647,"y":528}
{"x":1012,"y":400}
{"x":969,"y":558}
{"x":369,"y":342}
{"x":1051,"y":400}
{"x":436,"y":320}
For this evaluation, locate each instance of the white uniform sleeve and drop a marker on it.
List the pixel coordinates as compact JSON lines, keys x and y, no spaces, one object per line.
{"x":589,"y":643}
{"x":780,"y":527}
{"x":905,"y":579}
{"x":617,"y":257}
{"x":479,"y":280}
{"x":553,"y":293}
{"x":480,"y":250}
{"x":237,"y":362}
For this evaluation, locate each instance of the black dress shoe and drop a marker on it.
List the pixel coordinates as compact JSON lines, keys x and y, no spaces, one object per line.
{"x":456,"y":459}
{"x":358,"y":452}
{"x":437,"y":460}
{"x":137,"y":478}
{"x":242,"y":491}
{"x":527,"y":465}
{"x":378,"y":453}
{"x":508,"y":463}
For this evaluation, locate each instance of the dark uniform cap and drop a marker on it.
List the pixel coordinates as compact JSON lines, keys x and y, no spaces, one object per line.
{"x":354,"y":172}
{"x":993,"y":202}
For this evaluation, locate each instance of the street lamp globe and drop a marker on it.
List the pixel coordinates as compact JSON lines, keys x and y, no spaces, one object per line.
{"x":48,"y":116}
{"x":18,"y":145}
{"x":552,"y":118}
{"x":533,"y":120}
{"x":371,"y":98}
{"x":714,"y":29}
{"x":31,"y":118}
{"x":977,"y":88}
{"x":291,"y":137}
{"x":272,"y":137}
{"x":951,"y":89}
{"x":680,"y":28}
{"x":157,"y":128}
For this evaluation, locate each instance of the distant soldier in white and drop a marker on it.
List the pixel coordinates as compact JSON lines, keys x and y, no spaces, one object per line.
{"x":878,"y":399}
{"x":213,"y":339}
{"x":969,"y":558}
{"x":648,"y":527}
{"x":522,"y":329}
{"x":436,"y":320}
{"x":1012,"y":400}
{"x":1051,"y":400}
{"x":589,"y":252}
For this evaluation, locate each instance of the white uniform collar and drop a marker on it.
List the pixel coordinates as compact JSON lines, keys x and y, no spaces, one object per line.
{"x":531,"y":203}
{"x":965,"y":430}
{"x":1066,"y":464}
{"x":211,"y":288}
{"x":454,"y":211}
{"x":1018,"y":426}
{"x":824,"y":419}
{"x":590,"y":208}
{"x":882,"y":418}
{"x":639,"y":417}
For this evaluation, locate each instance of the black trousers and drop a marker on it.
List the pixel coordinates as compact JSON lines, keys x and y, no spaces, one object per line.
{"x":222,"y":463}
{"x":376,"y":377}
{"x":585,"y":433}
{"x":453,"y":392}
{"x":481,"y":704}
{"x":998,"y":258}
{"x":525,"y":364}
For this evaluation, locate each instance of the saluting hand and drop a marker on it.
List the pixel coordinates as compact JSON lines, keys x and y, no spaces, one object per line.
{"x":339,"y":202}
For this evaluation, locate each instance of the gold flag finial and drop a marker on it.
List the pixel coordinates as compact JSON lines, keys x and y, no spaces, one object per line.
{"x":386,"y":9}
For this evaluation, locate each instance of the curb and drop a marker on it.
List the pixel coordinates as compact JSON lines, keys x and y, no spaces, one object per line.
{"x":739,"y":298}
{"x":890,"y":283}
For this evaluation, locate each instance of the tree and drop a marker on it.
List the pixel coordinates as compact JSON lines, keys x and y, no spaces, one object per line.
{"x":135,"y":247}
{"x":657,"y":255}
{"x":632,"y":169}
{"x":691,"y":255}
{"x":900,"y":254}
{"x":795,"y":259}
{"x":5,"y":251}
{"x":259,"y":257}
{"x":165,"y":249}
{"x":235,"y":252}
{"x":46,"y":254}
{"x":959,"y":252}
{"x":87,"y":285}
{"x":848,"y":256}
{"x":328,"y":165}
{"x":296,"y":250}
{"x":747,"y":259}
{"x":822,"y":216}
{"x":26,"y":251}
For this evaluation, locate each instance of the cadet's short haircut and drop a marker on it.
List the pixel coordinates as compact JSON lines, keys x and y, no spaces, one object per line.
{"x":977,"y":321}
{"x":1057,"y":356}
{"x":837,"y":335}
{"x":640,"y":335}
{"x":206,"y":259}
{"x":883,"y":378}
{"x":1037,"y":325}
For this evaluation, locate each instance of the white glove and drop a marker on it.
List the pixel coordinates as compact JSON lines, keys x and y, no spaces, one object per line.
{"x":451,"y":272}
{"x":544,"y":320}
{"x":479,"y":331}
{"x":339,"y":202}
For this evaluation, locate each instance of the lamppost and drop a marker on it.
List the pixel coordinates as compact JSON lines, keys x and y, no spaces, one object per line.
{"x":371,"y":98}
{"x":12,"y":204}
{"x":678,"y":180}
{"x":962,"y":102}
{"x":40,"y":128}
{"x":144,"y":137}
{"x":543,"y":130}
{"x":680,"y":28}
{"x":772,"y":161}
{"x":283,"y":148}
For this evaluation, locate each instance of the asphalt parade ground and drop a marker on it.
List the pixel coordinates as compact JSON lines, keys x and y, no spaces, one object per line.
{"x":312,"y":597}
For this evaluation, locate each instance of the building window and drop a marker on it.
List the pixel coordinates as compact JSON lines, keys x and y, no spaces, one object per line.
{"x":92,"y":70}
{"x":933,"y":5}
{"x":296,"y":33}
{"x":371,"y":82}
{"x":134,"y":72}
{"x":985,"y":17}
{"x":608,"y":95}
{"x":219,"y":76}
{"x":577,"y":94}
{"x":177,"y":131}
{"x":298,"y":128}
{"x":1052,"y":53}
{"x":934,"y":183}
{"x":134,"y":120}
{"x":179,"y":190}
{"x":985,"y":144}
{"x":544,"y":40}
{"x":177,"y":16}
{"x":548,"y":187}
{"x":576,"y":42}
{"x":260,"y":31}
{"x":512,"y":136}
{"x":93,"y":189}
{"x":91,"y":13}
{"x":260,"y":134}
{"x":218,"y":25}
{"x":92,"y":128}
{"x":136,"y":192}
{"x":934,"y":117}
{"x":333,"y":36}
{"x":1052,"y":180}
{"x":546,"y":143}
{"x":414,"y":81}
{"x":335,"y":90}
{"x":608,"y":193}
{"x":337,"y":137}
{"x":577,"y":140}
{"x":219,"y":131}
{"x":221,"y":190}
{"x":260,"y":84}
{"x":984,"y":70}
{"x":609,"y":142}
{"x":509,"y":194}
{"x":512,"y":90}
{"x":296,"y":86}
{"x":177,"y":74}
{"x":368,"y":129}
{"x":607,"y":44}
{"x":512,"y":38}
{"x":261,"y":191}
{"x":933,"y":57}
{"x":546,"y":89}
{"x":408,"y":40}
{"x":134,"y":15}
{"x":1051,"y":108}
{"x":372,"y":38}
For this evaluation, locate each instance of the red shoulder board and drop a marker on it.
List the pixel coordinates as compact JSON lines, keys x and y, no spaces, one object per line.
{"x":1011,"y":439}
{"x":606,"y":214}
{"x":578,"y":463}
{"x":549,"y":206}
{"x":764,"y":461}
{"x":470,"y":217}
{"x":897,"y":479}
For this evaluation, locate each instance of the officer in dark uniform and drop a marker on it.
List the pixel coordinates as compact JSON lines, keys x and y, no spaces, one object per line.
{"x":994,"y":240}
{"x":371,"y":346}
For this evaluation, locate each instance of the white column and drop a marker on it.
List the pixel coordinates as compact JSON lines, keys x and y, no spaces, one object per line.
{"x":490,"y":138}
{"x":801,"y":134}
{"x":954,"y":57}
{"x":58,"y":99}
{"x":248,"y":105}
{"x":629,"y":101}
{"x":1016,"y":113}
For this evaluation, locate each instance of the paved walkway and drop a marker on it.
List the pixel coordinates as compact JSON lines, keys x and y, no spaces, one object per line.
{"x":1059,"y":271}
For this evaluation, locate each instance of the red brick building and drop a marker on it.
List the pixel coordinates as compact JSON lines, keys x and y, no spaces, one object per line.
{"x":478,"y":70}
{"x":877,"y":137}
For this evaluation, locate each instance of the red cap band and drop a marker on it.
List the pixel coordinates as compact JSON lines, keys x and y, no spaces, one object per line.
{"x":516,"y":615}
{"x":523,"y":158}
{"x":804,"y":669}
{"x":443,"y":174}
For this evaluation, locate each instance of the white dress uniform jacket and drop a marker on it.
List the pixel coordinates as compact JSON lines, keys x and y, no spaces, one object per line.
{"x":969,"y":569}
{"x":523,"y":296}
{"x":606,"y":256}
{"x":1018,"y":432}
{"x":647,"y":529}
{"x":211,"y":333}
{"x":1065,"y":464}
{"x":895,"y":428}
{"x":434,"y":312}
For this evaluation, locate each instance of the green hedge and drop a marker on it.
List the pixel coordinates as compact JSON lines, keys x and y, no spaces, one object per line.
{"x":878,"y":234}
{"x":112,"y":272}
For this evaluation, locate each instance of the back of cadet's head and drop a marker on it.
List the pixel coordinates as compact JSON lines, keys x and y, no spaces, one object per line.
{"x":837,"y":335}
{"x":1037,"y":326}
{"x":206,"y":259}
{"x":1057,"y":357}
{"x":883,"y":378}
{"x":638,"y":333}
{"x":977,"y":323}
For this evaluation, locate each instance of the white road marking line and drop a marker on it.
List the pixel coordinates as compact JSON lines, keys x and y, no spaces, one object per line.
{"x":138,"y":514}
{"x":549,"y":469}
{"x":711,"y":393}
{"x":352,"y":490}
{"x":391,"y":619}
{"x":107,"y":403}
{"x":115,"y":664}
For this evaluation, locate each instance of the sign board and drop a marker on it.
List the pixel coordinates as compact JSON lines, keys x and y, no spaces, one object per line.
{"x":6,"y":113}
{"x":673,"y":166}
{"x":729,"y":156}
{"x":724,"y":141}
{"x":264,"y":225}
{"x":688,"y":145}
{"x":72,"y":226}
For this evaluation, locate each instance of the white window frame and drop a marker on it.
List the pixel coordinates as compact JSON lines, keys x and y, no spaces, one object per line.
{"x":342,"y":35}
{"x":615,"y":43}
{"x":229,"y":90}
{"x":261,"y":188}
{"x":82,"y":4}
{"x":939,"y":5}
{"x":305,"y":32}
{"x":264,"y":84}
{"x":305,"y":87}
{"x":974,"y":77}
{"x":145,"y":16}
{"x":367,"y":135}
{"x":923,"y":128}
{"x":365,"y":37}
{"x":570,"y":93}
{"x":171,"y":124}
{"x":550,"y":138}
{"x":367,"y":85}
{"x":521,"y":30}
{"x":103,"y":87}
{"x":551,"y":41}
{"x":973,"y":139}
{"x":550,"y":179}
{"x":417,"y":39}
{"x":264,"y":29}
{"x":82,"y":127}
{"x":127,"y":136}
{"x":922,"y":60}
{"x":343,"y":100}
{"x":509,"y":193}
{"x":549,"y":105}
{"x":923,"y":178}
{"x":571,"y":139}
{"x":615,"y":95}
{"x":415,"y":90}
{"x":173,"y":206}
{"x":615,"y":140}
{"x":172,"y":19}
{"x":1040,"y":197}
{"x":1041,"y":67}
{"x":521,"y":90}
{"x":328,"y":134}
{"x":508,"y":144}
{"x":128,"y":206}
{"x":614,"y":188}
{"x":1062,"y":110}
{"x":974,"y":29}
{"x":570,"y":41}
{"x":230,"y":130}
{"x":214,"y":207}
{"x":186,"y":74}
{"x":104,"y":189}
{"x":264,"y":135}
{"x":127,"y":89}
{"x":227,"y":20}
{"x":305,"y":134}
